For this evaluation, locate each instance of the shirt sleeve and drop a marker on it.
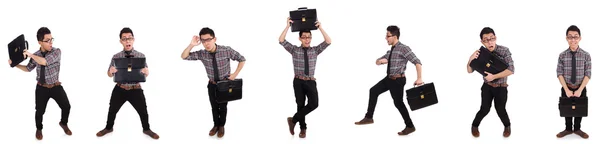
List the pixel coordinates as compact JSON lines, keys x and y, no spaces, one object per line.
{"x":194,"y":56}
{"x":53,"y":57}
{"x":385,"y":56}
{"x":559,"y":66}
{"x":31,"y":65}
{"x":408,"y":54}
{"x":588,"y":66}
{"x":287,"y":45}
{"x":321,"y":47}
{"x":508,"y":59}
{"x":234,"y":55}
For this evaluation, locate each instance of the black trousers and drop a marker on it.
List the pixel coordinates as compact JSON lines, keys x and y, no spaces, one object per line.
{"x":219,"y":110}
{"x":43,"y":95}
{"x":303,"y":90}
{"x":569,"y":120}
{"x":396,"y":88}
{"x":135,"y":97}
{"x":499,"y":96}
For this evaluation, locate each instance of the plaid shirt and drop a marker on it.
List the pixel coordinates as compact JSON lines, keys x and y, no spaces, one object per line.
{"x":122,"y":54}
{"x":223,"y":54}
{"x":298,"y":57}
{"x":505,"y":55}
{"x":400,"y":57}
{"x":583,"y":65}
{"x":52,"y":69}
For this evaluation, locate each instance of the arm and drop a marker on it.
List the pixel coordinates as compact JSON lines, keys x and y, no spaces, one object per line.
{"x":469,"y":69}
{"x":560,"y":73}
{"x":384,"y":57}
{"x":111,"y":66}
{"x":325,"y":36}
{"x":587,"y":73}
{"x":234,"y":55}
{"x":287,"y":45}
{"x":408,"y":54}
{"x":511,"y":68}
{"x":186,"y":52}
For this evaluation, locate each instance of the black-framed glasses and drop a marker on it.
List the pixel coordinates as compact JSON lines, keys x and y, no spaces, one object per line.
{"x":128,"y":39}
{"x":206,"y":40}
{"x":573,"y":37}
{"x":49,"y":41}
{"x":306,"y":37}
{"x":489,"y":39}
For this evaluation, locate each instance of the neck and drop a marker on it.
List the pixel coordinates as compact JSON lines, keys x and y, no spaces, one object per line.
{"x":214,"y":49}
{"x":43,"y":50}
{"x":395,"y":43}
{"x":574,"y":48}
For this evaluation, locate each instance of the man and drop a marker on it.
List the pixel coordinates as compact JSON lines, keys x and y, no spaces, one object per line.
{"x":394,"y":81}
{"x":46,"y":61}
{"x":304,"y":60}
{"x":131,"y":92}
{"x":216,"y":59}
{"x":574,"y":71}
{"x":495,"y":86}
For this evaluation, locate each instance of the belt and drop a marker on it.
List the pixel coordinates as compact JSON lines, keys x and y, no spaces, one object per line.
{"x":126,"y":87}
{"x":572,"y":86}
{"x":497,"y":85}
{"x":305,"y":78}
{"x":49,"y":85}
{"x":396,"y":76}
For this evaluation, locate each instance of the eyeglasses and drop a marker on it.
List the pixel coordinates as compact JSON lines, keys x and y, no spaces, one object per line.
{"x":49,"y":41}
{"x":305,"y":37}
{"x":489,"y":40}
{"x":206,"y":40}
{"x":127,"y":39}
{"x":573,"y":37}
{"x":388,"y":36}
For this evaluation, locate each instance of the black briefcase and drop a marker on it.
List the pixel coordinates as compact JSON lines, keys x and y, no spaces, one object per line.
{"x":129,"y":70}
{"x":573,"y":106}
{"x":303,"y":19}
{"x":229,"y":90}
{"x":15,"y":50}
{"x":421,"y":96}
{"x":488,"y":62}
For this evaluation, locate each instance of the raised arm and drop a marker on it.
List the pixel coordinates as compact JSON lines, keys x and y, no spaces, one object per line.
{"x":187,"y":51}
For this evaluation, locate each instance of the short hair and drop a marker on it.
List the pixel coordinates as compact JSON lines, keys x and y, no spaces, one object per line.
{"x":125,"y":30}
{"x":303,"y":31}
{"x":208,"y":31}
{"x":42,"y":32}
{"x":486,"y":30}
{"x":394,"y":30}
{"x":573,"y":28}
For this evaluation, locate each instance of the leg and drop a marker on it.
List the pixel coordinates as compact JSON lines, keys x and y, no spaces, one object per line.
{"x":500,"y":99}
{"x":313,"y":102}
{"x":212,"y":92}
{"x":300,"y":95}
{"x":137,"y":99}
{"x":222,"y":118}
{"x":41,"y":100}
{"x":374,"y":93}
{"x":397,"y":92}
{"x":117,"y":99}
{"x":486,"y":104}
{"x":568,"y":120}
{"x":60,"y":96}
{"x":577,"y":130}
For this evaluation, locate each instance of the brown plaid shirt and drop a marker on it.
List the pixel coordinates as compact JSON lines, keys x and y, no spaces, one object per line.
{"x":583,"y":65}
{"x":401,"y":55}
{"x":298,"y":57}
{"x":223,"y":55}
{"x":52,"y":69}
{"x":505,"y":55}
{"x":122,"y":54}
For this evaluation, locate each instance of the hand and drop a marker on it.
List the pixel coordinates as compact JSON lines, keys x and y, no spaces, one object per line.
{"x":475,"y":55}
{"x":232,"y":76}
{"x":381,"y":61}
{"x":9,"y":62}
{"x":145,"y":71}
{"x":26,"y":53}
{"x":112,"y":70}
{"x":318,"y":24}
{"x":418,"y":82}
{"x":489,"y":77}
{"x":195,"y":41}
{"x":289,"y":21}
{"x":577,"y":93}
{"x":569,"y":93}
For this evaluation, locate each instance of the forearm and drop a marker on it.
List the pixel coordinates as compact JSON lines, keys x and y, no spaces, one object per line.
{"x":23,"y":68}
{"x":469,"y":68}
{"x":239,"y":67}
{"x":503,"y":74}
{"x":584,"y":83}
{"x":325,"y":36}
{"x":563,"y":83}
{"x":39,"y":60}
{"x":418,"y":67}
{"x":186,"y":52}
{"x":283,"y":34}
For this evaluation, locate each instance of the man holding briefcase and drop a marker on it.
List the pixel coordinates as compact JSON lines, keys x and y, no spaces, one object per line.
{"x":130,"y":91}
{"x":394,"y":81}
{"x":216,"y":59}
{"x":495,"y":86}
{"x":46,"y":61}
{"x":574,"y":71}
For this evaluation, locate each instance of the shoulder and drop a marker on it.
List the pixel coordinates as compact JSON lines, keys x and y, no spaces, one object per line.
{"x":119,"y":54}
{"x":584,"y":52}
{"x":138,"y":53}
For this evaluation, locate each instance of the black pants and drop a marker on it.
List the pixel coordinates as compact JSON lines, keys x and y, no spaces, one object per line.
{"x":396,"y":88}
{"x":499,"y":96}
{"x":135,"y":97}
{"x":303,"y":90}
{"x":569,"y":120}
{"x":42,"y":95}
{"x":219,"y":110}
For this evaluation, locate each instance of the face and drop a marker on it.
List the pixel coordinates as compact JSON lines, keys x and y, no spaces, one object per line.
{"x":46,"y":43}
{"x":305,"y":39}
{"x":573,"y":39}
{"x":208,"y":41}
{"x":127,"y":41}
{"x":390,"y":38}
{"x":489,"y":40}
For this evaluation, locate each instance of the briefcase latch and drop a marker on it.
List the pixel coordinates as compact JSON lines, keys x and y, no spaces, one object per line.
{"x":572,"y":107}
{"x":230,"y":89}
{"x":422,"y":96}
{"x":303,"y":19}
{"x":17,"y":49}
{"x":129,"y":68}
{"x":487,"y":65}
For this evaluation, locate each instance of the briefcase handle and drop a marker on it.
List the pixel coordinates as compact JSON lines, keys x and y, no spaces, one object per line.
{"x":303,"y":8}
{"x":419,"y":84}
{"x":27,"y":48}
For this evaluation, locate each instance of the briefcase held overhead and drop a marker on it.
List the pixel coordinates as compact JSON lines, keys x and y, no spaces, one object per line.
{"x":304,"y":19}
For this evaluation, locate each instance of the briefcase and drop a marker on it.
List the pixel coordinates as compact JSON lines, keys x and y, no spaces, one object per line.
{"x":15,"y":50}
{"x":229,"y":90}
{"x":129,"y":70}
{"x":421,"y":96}
{"x":488,"y":62}
{"x":573,"y":106}
{"x":303,"y":19}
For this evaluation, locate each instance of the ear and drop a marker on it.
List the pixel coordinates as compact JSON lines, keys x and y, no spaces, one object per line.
{"x":40,"y":42}
{"x":215,"y":39}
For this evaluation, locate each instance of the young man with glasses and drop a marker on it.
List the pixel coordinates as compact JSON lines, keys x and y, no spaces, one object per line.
{"x":394,"y":81}
{"x":574,"y":71}
{"x":216,"y":59}
{"x":123,"y":92}
{"x":46,"y":61}
{"x":495,"y":86}
{"x":305,"y":87}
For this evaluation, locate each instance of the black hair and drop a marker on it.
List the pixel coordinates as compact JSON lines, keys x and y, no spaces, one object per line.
{"x":125,"y":30}
{"x":42,"y":32}
{"x":304,"y":31}
{"x":573,"y":28}
{"x":486,"y":30}
{"x":208,"y":31}
{"x":394,"y":30}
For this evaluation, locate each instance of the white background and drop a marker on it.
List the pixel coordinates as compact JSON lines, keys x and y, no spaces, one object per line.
{"x":443,"y":34}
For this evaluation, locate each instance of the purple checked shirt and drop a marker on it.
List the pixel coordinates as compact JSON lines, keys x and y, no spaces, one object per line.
{"x":52,"y":69}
